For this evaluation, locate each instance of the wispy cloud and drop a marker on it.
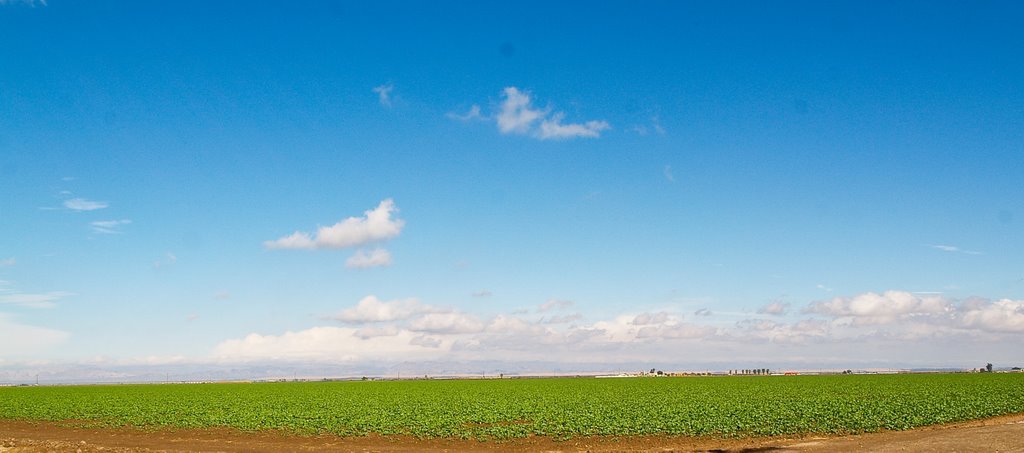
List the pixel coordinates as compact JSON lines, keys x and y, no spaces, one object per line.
{"x":39,"y":300}
{"x":8,"y":261}
{"x":667,"y":172}
{"x":28,"y":340}
{"x":472,"y":114}
{"x":81,"y":204}
{"x":109,"y":226}
{"x":554,"y":304}
{"x":482,"y":293}
{"x":32,"y":3}
{"x":375,"y":258}
{"x":954,"y":249}
{"x":376,"y":225}
{"x":169,"y":259}
{"x":554,"y":129}
{"x":384,"y":94}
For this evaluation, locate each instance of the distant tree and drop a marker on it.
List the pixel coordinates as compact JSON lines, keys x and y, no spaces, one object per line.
{"x":988,"y":367}
{"x":652,"y":370}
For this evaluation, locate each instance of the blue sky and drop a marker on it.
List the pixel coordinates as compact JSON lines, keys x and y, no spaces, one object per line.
{"x":792,"y":183}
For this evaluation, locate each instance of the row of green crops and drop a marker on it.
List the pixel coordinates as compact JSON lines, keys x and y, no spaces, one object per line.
{"x":561,"y":408}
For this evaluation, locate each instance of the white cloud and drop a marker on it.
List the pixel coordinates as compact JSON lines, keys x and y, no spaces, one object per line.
{"x":376,"y":225}
{"x":40,"y":300}
{"x":222,"y":295}
{"x":517,"y":115}
{"x":888,"y":307}
{"x":472,"y":114}
{"x":702,"y":312}
{"x":774,"y":308}
{"x":677,"y":331}
{"x":376,"y":258}
{"x":644,"y":319}
{"x":554,"y":129}
{"x":1000,"y":316}
{"x":336,"y":344}
{"x":667,"y":172}
{"x":450,"y":323}
{"x":554,"y":304}
{"x":376,"y":331}
{"x":426,"y":341}
{"x":109,"y":226}
{"x":384,"y":94}
{"x":81,"y":204}
{"x":372,"y":309}
{"x":8,"y":261}
{"x":482,"y":293}
{"x":562,"y":319}
{"x":21,"y":339}
{"x":891,"y":326}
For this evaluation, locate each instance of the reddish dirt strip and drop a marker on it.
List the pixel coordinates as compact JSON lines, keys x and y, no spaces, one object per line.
{"x":1000,"y":434}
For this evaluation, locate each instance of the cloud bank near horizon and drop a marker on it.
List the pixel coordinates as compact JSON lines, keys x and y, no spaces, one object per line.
{"x":853,"y":328}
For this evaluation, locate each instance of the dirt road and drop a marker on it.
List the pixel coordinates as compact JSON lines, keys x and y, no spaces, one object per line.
{"x":1002,"y":434}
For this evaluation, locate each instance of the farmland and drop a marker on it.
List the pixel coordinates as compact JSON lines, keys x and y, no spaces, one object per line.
{"x":733,"y":407}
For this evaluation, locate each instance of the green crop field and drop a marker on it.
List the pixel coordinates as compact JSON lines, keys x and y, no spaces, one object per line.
{"x":561,"y":408}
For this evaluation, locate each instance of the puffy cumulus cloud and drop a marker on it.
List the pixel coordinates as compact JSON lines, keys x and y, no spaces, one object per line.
{"x":554,"y":304}
{"x":871,"y":327}
{"x":779,"y":332}
{"x":376,"y":331}
{"x":371,"y":309}
{"x":338,"y":344}
{"x":25,"y":340}
{"x":999,"y":316}
{"x":885,"y":308}
{"x":447,"y":323}
{"x":676,"y":331}
{"x":774,"y":308}
{"x":375,"y":225}
{"x":518,"y":115}
{"x":376,"y":258}
{"x":81,"y":204}
{"x":562,"y":319}
{"x":426,"y":341}
{"x":644,"y":319}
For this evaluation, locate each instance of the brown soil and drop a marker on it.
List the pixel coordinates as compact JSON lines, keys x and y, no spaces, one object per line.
{"x":1001,"y":434}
